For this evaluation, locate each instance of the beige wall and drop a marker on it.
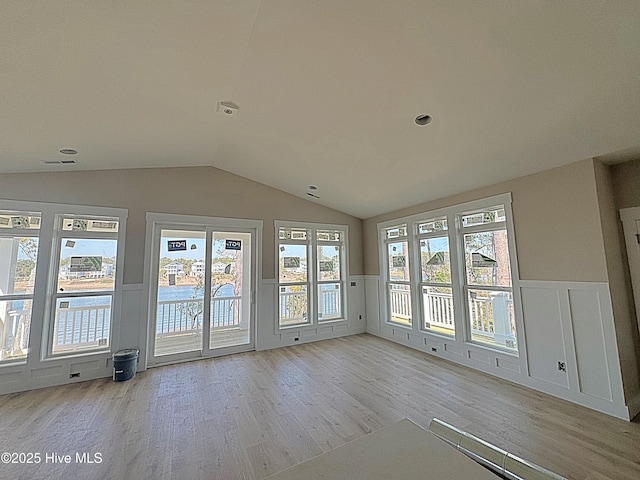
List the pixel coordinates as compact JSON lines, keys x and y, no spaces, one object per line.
{"x":556,"y":220}
{"x":619,"y":281}
{"x":195,"y":191}
{"x":626,"y":184}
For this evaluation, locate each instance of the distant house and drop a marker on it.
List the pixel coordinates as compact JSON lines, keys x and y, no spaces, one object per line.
{"x":218,"y":267}
{"x":174,"y":268}
{"x":67,"y":274}
{"x":197,"y":268}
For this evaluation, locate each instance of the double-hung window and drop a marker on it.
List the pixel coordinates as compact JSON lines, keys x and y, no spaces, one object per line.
{"x":449,"y":272}
{"x":19,"y":239}
{"x":435,"y":276}
{"x":84,"y":281}
{"x":398,"y":277}
{"x":487,"y":281}
{"x":311,"y":273}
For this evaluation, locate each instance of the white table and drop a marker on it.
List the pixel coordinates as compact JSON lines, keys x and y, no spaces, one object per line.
{"x":400,"y":451}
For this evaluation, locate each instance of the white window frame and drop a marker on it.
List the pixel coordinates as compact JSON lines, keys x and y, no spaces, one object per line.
{"x":54,"y":295}
{"x":409,"y":257}
{"x":12,"y":297}
{"x":39,"y":337}
{"x":452,"y":261}
{"x":458,"y":274}
{"x":466,"y":286}
{"x":312,"y":282}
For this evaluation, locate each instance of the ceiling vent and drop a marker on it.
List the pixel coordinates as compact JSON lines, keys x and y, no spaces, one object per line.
{"x":58,"y":162}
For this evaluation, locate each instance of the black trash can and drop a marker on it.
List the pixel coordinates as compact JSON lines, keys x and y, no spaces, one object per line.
{"x":124,"y":364}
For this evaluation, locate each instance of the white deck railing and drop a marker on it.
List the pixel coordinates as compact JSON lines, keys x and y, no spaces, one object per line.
{"x":293,"y":306}
{"x":15,"y":334}
{"x":181,"y":316}
{"x":438,"y":309}
{"x":77,"y":327}
{"x":400,"y":303}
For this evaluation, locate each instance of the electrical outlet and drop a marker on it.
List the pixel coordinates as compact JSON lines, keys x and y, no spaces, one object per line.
{"x":296,"y":339}
{"x":562,"y":366}
{"x":74,"y":375}
{"x":434,"y":349}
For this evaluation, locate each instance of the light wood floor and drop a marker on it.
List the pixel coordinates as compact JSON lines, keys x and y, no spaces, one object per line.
{"x":249,"y":415}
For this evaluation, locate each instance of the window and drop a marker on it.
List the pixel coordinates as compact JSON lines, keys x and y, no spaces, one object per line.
{"x":329,"y":274}
{"x":60,"y":278}
{"x":487,"y":281}
{"x":398,"y":283}
{"x":19,"y":239}
{"x":84,"y":274}
{"x":435,"y":279}
{"x":450,"y":272}
{"x":311,"y":273}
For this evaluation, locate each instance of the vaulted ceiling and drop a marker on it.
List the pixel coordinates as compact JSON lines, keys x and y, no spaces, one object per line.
{"x":327,"y":90}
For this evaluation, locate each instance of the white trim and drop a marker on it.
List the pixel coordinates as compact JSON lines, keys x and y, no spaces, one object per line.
{"x":40,"y":369}
{"x":312,"y":282}
{"x":503,"y":198}
{"x":155,"y":223}
{"x":630,"y":219}
{"x":511,"y":368}
{"x":455,"y":234}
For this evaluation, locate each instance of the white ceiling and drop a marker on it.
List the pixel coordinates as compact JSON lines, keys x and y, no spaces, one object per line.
{"x":327,"y":90}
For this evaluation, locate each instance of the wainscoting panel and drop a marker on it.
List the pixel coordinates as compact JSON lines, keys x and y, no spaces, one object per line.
{"x":569,"y":340}
{"x":545,"y":338}
{"x":269,"y":336}
{"x":591,"y":351}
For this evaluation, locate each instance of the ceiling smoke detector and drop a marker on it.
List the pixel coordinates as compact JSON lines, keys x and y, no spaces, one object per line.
{"x":228,"y":108}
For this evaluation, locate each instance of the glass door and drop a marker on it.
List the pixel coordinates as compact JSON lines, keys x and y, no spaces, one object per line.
{"x":180,"y":292}
{"x":201,"y":298}
{"x":229,"y":312}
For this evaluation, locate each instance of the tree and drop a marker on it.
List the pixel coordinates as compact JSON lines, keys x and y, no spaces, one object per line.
{"x":24,"y":268}
{"x":29,"y":247}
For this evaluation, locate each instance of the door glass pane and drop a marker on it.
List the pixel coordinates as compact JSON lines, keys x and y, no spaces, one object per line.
{"x":328,"y":262}
{"x":329,"y":301}
{"x":492,"y":319}
{"x":180,"y":298}
{"x":487,"y":258}
{"x":400,"y":302}
{"x":398,"y":255}
{"x":294,"y":305}
{"x":87,"y":264}
{"x":81,"y":323}
{"x":434,"y":259}
{"x":293,"y":263}
{"x":230,"y":289}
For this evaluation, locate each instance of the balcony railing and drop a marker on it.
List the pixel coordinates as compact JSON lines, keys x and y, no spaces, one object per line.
{"x":293,"y":306}
{"x":81,"y":327}
{"x":439,"y":310}
{"x":15,"y":334}
{"x":181,"y":316}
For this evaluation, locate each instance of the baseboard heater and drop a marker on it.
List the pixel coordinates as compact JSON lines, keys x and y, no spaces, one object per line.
{"x":499,"y":461}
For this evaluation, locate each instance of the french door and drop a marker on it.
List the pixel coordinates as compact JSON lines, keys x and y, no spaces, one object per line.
{"x":202,"y":290}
